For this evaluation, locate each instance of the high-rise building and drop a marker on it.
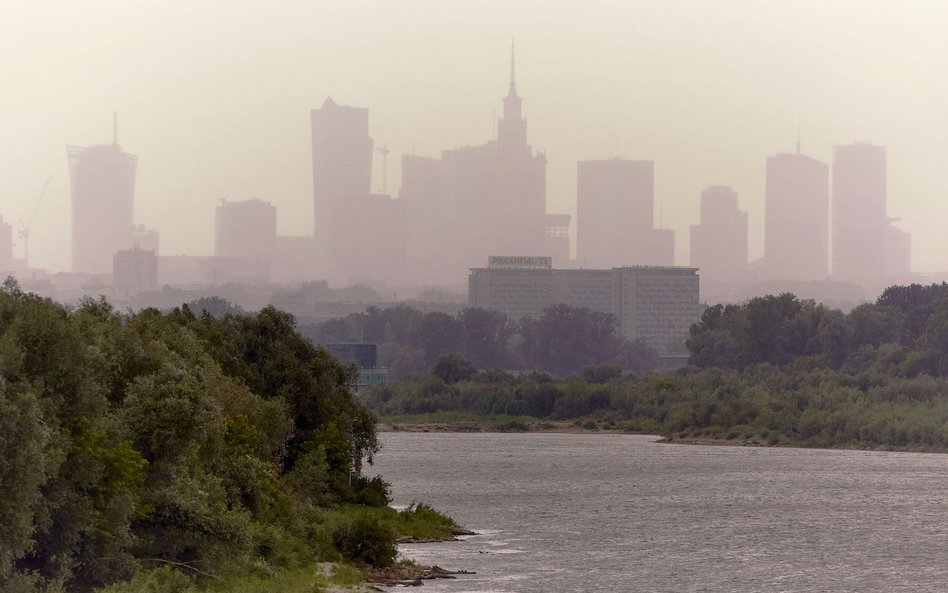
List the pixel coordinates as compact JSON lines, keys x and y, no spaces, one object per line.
{"x":796,"y":223}
{"x":719,"y":240}
{"x":246,"y":230}
{"x":342,"y":162}
{"x":615,"y":208}
{"x":358,"y":234}
{"x":498,"y":189}
{"x":102,"y":183}
{"x":478,"y":200}
{"x":860,"y":225}
{"x":429,"y":217}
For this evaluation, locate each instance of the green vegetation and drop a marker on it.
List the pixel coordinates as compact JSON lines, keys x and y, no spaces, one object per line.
{"x":562,"y":341}
{"x":774,"y":370}
{"x":176,"y":452}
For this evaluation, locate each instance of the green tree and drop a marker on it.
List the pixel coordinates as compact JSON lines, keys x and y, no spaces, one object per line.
{"x":452,"y":368}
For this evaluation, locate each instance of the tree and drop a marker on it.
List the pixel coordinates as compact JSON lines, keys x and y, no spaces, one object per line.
{"x":452,"y":368}
{"x":440,"y":334}
{"x":488,"y":337}
{"x":565,"y":339}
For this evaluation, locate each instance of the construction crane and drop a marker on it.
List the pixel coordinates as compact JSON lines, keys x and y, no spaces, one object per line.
{"x":24,"y":231}
{"x":383,"y":150}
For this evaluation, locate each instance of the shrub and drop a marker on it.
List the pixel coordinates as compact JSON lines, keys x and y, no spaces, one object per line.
{"x":366,"y":540}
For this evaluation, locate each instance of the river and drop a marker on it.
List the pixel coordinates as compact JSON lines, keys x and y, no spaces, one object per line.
{"x":567,"y":513}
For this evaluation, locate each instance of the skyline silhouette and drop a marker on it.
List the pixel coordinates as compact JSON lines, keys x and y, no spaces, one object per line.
{"x":673,"y":116}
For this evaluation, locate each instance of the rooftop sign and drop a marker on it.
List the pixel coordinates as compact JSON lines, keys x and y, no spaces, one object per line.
{"x":533,"y":262}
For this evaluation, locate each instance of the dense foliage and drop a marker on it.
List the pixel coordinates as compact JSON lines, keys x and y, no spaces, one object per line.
{"x":207,"y":445}
{"x":775,"y":369}
{"x":904,"y":333}
{"x":561,"y":341}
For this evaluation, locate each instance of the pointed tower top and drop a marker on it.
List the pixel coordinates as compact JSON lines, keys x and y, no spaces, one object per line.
{"x":513,"y":64}
{"x":513,"y":70}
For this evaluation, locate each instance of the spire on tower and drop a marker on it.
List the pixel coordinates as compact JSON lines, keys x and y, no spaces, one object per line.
{"x":513,"y":64}
{"x":512,"y":129}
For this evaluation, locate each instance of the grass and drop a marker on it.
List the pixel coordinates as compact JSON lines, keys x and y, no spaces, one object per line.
{"x":419,"y":520}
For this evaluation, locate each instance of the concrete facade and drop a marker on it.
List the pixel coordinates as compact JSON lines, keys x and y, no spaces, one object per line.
{"x":657,"y":304}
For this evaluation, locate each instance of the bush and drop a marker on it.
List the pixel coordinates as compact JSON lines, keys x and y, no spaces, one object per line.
{"x":366,"y":540}
{"x":374,"y":492}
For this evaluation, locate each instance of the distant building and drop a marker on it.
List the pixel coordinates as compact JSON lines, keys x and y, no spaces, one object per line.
{"x":146,"y":239}
{"x":866,"y":247}
{"x":342,"y":165}
{"x":481,"y":199}
{"x":796,"y":218}
{"x":246,"y":230}
{"x":367,"y":239}
{"x":363,"y":355}
{"x":102,"y":182}
{"x":898,"y":251}
{"x":358,"y":234}
{"x":657,"y":304}
{"x":614,"y":204}
{"x":719,"y":240}
{"x":615,"y":208}
{"x":429,"y":218}
{"x":134,"y":271}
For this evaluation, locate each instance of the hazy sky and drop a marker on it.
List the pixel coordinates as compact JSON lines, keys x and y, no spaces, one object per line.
{"x":214,"y":97}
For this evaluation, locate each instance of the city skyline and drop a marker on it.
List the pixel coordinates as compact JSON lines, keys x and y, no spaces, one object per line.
{"x":200,"y":140}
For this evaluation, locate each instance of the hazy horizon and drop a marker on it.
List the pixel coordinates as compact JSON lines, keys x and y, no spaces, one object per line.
{"x":215,"y":100}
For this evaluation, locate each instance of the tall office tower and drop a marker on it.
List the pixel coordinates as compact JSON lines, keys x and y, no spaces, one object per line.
{"x":342,"y":162}
{"x":429,"y":234}
{"x":614,"y":206}
{"x":796,"y":224}
{"x":719,"y":241}
{"x":860,"y":226}
{"x":359,"y":235}
{"x":246,"y":230}
{"x":102,"y":182}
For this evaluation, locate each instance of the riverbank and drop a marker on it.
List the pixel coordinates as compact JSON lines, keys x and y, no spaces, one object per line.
{"x":473,"y":423}
{"x":582,"y":426}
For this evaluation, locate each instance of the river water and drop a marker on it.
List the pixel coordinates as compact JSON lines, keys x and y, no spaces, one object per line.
{"x":587,"y":512}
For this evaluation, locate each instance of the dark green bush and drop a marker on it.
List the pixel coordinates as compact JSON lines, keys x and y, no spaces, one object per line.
{"x":366,"y":540}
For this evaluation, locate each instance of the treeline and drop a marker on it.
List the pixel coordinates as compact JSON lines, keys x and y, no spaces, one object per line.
{"x":775,"y":369}
{"x":216,"y":446}
{"x":762,"y":404}
{"x":563,"y":340}
{"x":904,"y":333}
